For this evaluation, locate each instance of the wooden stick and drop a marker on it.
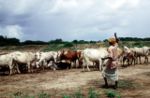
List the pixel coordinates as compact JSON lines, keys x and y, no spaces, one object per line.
{"x":117,"y":40}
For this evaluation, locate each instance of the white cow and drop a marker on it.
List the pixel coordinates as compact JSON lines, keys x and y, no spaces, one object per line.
{"x":7,"y":60}
{"x":27,"y":58}
{"x":93,"y":55}
{"x":139,"y":52}
{"x":47,"y":59}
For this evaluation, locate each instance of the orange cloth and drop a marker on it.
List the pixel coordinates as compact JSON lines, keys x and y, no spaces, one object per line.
{"x":112,"y":40}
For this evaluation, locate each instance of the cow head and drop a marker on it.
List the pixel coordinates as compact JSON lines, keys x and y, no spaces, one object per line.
{"x":38,"y":55}
{"x":59,"y":53}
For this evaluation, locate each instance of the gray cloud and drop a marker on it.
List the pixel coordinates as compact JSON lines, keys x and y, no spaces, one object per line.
{"x":74,"y":19}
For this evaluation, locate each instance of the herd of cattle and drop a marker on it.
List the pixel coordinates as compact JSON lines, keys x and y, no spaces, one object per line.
{"x":79,"y":58}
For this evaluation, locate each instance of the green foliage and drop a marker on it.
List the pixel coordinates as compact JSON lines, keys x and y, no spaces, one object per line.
{"x":92,"y":41}
{"x":56,"y":47}
{"x":75,"y":41}
{"x":66,"y":96}
{"x":30,"y":42}
{"x":139,"y":42}
{"x":82,"y":42}
{"x":17,"y":94}
{"x":78,"y":94}
{"x":8,"y":41}
{"x":56,"y":41}
{"x":134,"y":43}
{"x":134,"y":39}
{"x":43,"y":95}
{"x":92,"y":94}
{"x":21,"y":95}
{"x":112,"y":94}
{"x":68,"y":45}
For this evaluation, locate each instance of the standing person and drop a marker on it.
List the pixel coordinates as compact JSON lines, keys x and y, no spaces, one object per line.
{"x":111,"y":71}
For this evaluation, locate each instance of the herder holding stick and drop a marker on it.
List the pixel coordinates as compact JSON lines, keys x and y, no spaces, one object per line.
{"x":111,"y":69}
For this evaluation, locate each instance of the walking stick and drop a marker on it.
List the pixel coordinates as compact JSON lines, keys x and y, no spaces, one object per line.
{"x":117,"y":39}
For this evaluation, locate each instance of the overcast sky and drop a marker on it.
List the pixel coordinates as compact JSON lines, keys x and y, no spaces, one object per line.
{"x":74,"y":19}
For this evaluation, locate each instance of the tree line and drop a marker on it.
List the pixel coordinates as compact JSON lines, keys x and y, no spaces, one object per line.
{"x":5,"y":41}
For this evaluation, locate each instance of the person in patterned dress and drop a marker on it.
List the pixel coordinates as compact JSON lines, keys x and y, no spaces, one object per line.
{"x":110,"y":71}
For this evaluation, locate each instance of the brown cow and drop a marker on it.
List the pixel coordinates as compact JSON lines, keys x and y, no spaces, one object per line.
{"x":70,"y":56}
{"x":130,"y":58}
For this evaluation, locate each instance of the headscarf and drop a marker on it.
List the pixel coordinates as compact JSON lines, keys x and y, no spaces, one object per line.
{"x":112,"y":40}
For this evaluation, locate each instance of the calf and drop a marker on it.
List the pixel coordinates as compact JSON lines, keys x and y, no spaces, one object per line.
{"x":47,"y":59}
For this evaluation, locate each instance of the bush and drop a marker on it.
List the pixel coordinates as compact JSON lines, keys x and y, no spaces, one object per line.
{"x":112,"y":94}
{"x":43,"y":95}
{"x":21,"y":95}
{"x":56,"y":47}
{"x":78,"y":94}
{"x":68,"y":45}
{"x":92,"y":94}
{"x":66,"y":96}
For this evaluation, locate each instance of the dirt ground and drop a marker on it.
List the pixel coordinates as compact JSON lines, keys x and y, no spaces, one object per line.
{"x":134,"y":82}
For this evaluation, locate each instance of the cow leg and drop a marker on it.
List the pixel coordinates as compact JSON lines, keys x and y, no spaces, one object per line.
{"x":83,"y":65}
{"x":124,"y":59}
{"x":10,"y":72}
{"x":134,"y":60}
{"x":146,"y":59}
{"x":75,"y":62}
{"x":72,"y":64}
{"x":87,"y":66}
{"x":52,"y":65}
{"x":17,"y":68}
{"x":11,"y":67}
{"x":29,"y":67}
{"x":55,"y":66}
{"x":137,"y":60}
{"x":128,"y":60}
{"x":131,"y":61}
{"x":100,"y":65}
{"x":44,"y":63}
{"x":140,"y":60}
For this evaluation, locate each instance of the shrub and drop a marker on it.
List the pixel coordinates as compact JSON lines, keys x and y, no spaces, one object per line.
{"x":21,"y":95}
{"x":78,"y":94}
{"x":92,"y":94}
{"x":43,"y":95}
{"x":66,"y":96}
{"x":112,"y":94}
{"x":68,"y":45}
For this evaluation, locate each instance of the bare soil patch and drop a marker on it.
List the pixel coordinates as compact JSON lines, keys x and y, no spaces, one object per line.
{"x":134,"y":82}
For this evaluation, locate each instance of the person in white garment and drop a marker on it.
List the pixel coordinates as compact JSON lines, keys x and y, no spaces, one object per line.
{"x":110,"y":71}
